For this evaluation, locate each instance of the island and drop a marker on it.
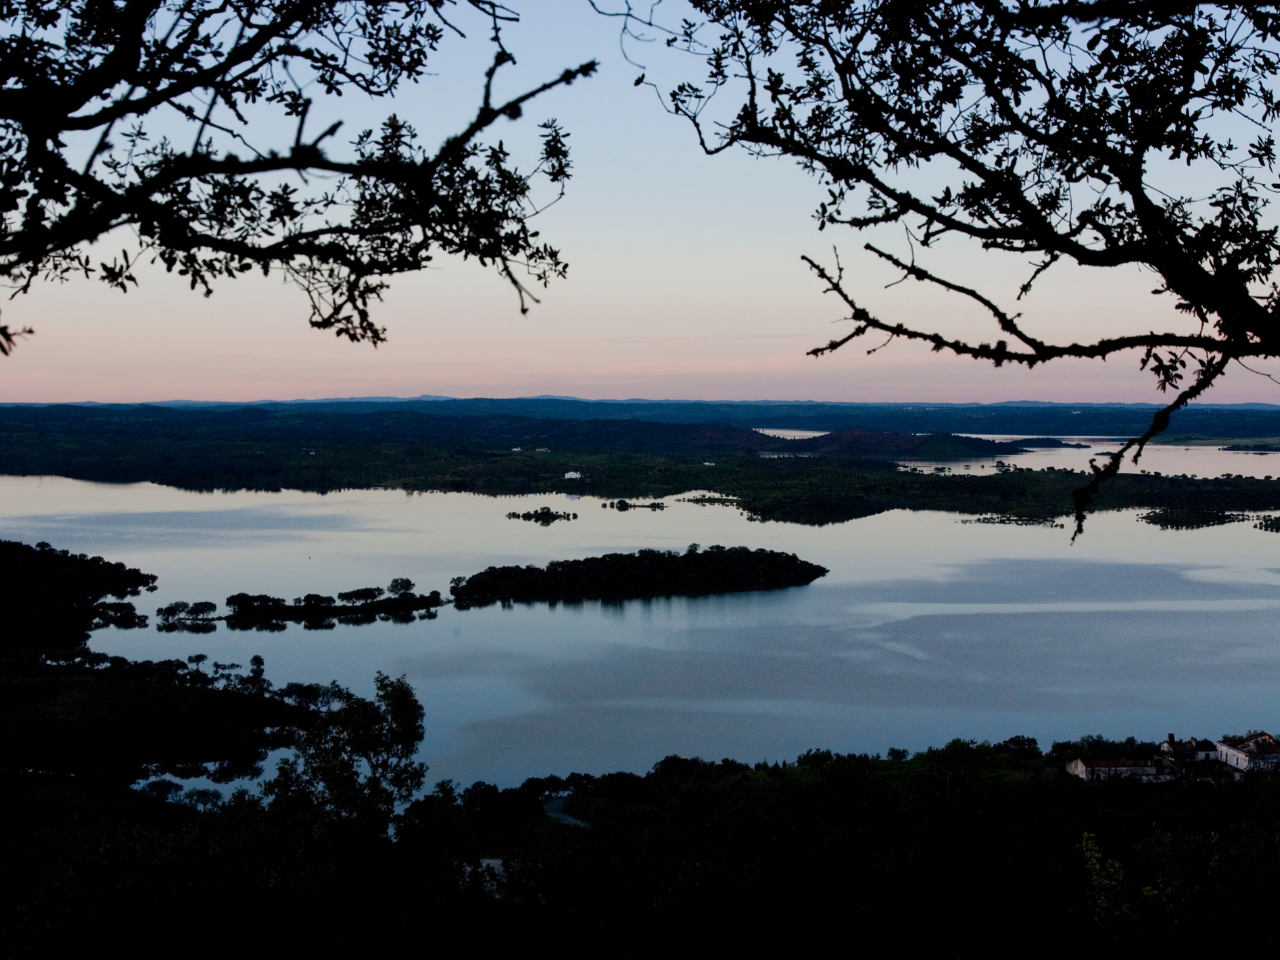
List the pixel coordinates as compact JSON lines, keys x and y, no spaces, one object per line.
{"x":615,"y":577}
{"x":543,"y":516}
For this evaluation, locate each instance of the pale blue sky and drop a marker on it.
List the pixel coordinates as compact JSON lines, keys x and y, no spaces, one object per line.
{"x":685,"y":282}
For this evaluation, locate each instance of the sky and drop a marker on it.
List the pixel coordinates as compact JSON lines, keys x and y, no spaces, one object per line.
{"x":685,"y":282}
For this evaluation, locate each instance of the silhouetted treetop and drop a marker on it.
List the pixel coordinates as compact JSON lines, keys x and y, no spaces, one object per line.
{"x":186,"y":121}
{"x":355,"y":759}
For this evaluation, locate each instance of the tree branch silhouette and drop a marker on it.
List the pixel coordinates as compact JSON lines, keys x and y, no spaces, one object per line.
{"x":1044,"y":128}
{"x":244,"y":76}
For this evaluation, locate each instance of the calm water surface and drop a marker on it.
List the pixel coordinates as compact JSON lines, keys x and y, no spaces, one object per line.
{"x":926,"y":628}
{"x":1167,"y":459}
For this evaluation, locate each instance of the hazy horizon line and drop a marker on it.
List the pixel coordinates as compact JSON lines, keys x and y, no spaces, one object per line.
{"x":429,"y":398}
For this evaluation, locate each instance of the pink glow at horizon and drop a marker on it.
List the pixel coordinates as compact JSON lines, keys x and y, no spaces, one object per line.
{"x":458,"y":333}
{"x":707,"y":333}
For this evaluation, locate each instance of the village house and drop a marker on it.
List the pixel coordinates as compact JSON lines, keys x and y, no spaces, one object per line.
{"x":1191,"y":750}
{"x":1112,"y":768}
{"x":1173,"y":758}
{"x":1255,"y":749}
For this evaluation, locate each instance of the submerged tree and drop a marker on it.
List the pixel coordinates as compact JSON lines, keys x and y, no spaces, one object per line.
{"x":186,"y":121}
{"x":1104,"y":132}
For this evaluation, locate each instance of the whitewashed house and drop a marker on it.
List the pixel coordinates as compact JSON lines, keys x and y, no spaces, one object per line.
{"x":1191,"y":750}
{"x":573,"y":475}
{"x":1257,"y":749}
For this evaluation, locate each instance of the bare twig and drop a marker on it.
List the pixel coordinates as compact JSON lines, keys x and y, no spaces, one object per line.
{"x":1209,"y":372}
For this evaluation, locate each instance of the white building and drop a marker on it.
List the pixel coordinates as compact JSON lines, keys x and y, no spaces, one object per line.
{"x":1258,"y":749}
{"x":1191,"y":750}
{"x":573,"y":475}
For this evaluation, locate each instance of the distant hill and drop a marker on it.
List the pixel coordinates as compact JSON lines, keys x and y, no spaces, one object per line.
{"x":1010,"y":419}
{"x":34,"y":439}
{"x":901,"y":446}
{"x":1018,"y":418}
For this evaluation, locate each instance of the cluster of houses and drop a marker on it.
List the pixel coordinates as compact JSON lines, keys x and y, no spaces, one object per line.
{"x":1230,"y":756}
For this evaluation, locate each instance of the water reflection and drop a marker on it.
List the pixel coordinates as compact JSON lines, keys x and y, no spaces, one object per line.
{"x":926,"y":628}
{"x":1168,"y":459}
{"x":855,"y":666}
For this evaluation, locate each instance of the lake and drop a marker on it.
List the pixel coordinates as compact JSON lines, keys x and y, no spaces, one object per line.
{"x":927,"y":627}
{"x":1168,"y":459}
